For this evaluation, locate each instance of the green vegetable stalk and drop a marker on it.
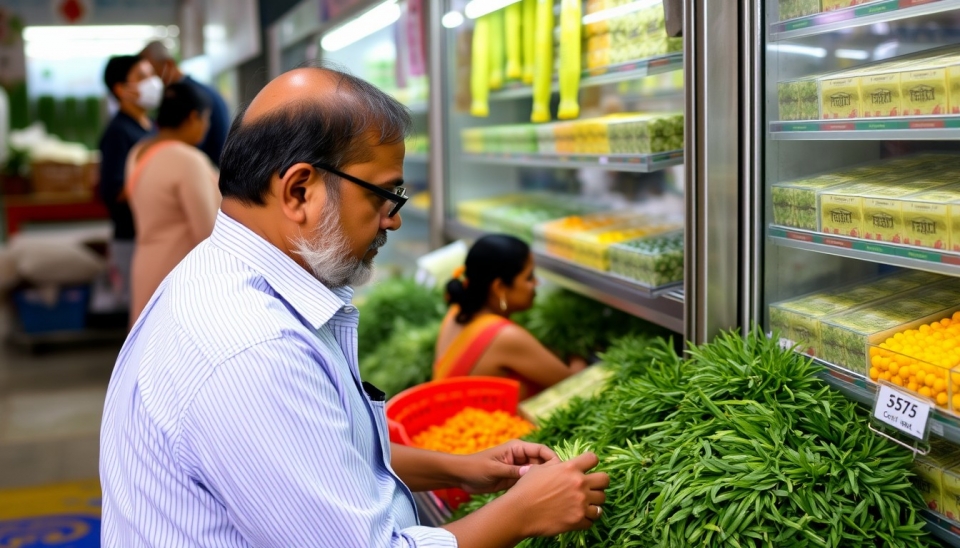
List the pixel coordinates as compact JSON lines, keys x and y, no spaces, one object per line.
{"x":496,"y":49}
{"x":480,"y":73}
{"x":543,"y":62}
{"x":529,"y":9}
{"x":511,"y":21}
{"x":570,"y":59}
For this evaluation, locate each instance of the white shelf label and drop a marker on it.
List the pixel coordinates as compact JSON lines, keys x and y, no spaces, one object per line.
{"x":905,"y":412}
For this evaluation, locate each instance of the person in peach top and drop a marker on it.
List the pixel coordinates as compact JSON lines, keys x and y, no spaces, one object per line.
{"x":172,"y":190}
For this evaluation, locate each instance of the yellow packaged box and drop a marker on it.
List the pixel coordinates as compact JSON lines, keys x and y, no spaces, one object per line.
{"x":924,"y":91}
{"x":929,"y":482}
{"x":841,"y":209}
{"x":950,"y":498}
{"x":840,"y":97}
{"x":880,"y":95}
{"x":882,"y":208}
{"x":928,"y":218}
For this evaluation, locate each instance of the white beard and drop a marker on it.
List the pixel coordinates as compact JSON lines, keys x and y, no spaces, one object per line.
{"x":328,"y":255}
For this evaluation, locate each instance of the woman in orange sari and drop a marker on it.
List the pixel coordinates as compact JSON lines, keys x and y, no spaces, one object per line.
{"x":477,"y":336}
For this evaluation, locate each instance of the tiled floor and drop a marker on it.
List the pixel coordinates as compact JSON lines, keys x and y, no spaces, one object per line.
{"x":50,"y":408}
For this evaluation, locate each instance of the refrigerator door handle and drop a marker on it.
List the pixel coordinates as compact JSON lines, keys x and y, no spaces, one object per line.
{"x":673,"y":15}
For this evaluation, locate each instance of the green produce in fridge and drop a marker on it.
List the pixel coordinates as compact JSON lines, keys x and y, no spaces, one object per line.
{"x":543,"y":62}
{"x":512,"y":21}
{"x":480,"y":68}
{"x":653,"y":261}
{"x":570,"y":59}
{"x":497,"y":44}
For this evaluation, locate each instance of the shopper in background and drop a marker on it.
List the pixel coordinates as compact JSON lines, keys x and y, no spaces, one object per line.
{"x":172,"y":189}
{"x":138,"y":90}
{"x":166,"y":66}
{"x":477,"y":336}
{"x":235,"y":415}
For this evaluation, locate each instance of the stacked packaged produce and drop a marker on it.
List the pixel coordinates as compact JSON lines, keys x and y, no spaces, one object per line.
{"x":915,"y":85}
{"x":585,"y":384}
{"x":417,"y":144}
{"x":625,"y":133}
{"x":790,"y":9}
{"x":628,"y":36}
{"x":913,"y":201}
{"x":517,"y":214}
{"x":937,"y":477}
{"x":653,"y":261}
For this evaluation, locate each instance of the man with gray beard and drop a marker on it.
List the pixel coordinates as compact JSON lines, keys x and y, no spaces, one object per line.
{"x":236,"y":416}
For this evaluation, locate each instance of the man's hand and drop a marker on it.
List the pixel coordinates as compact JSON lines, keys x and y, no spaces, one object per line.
{"x":500,"y":467}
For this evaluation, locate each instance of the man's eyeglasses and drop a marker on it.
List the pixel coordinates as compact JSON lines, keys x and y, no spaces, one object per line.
{"x":398,"y":196}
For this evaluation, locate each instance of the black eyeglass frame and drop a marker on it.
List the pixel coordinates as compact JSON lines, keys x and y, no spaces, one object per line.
{"x":398,"y":196}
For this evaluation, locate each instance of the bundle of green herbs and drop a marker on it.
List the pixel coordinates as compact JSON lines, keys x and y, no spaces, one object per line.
{"x":739,"y":445}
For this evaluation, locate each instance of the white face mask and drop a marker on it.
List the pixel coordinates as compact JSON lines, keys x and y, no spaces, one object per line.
{"x":150,"y":92}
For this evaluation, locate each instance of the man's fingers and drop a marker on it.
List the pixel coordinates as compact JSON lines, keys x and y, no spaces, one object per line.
{"x":585,"y":461}
{"x":597,"y":480}
{"x":532,"y":453}
{"x":596,"y":498}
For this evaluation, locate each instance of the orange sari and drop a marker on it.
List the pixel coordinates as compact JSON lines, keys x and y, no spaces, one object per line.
{"x":466,"y":350}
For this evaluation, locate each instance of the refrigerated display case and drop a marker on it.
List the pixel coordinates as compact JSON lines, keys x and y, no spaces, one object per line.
{"x":858,"y":113}
{"x":599,"y":193}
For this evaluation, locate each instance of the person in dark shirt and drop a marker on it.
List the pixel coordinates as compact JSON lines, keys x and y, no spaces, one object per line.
{"x":137,"y":89}
{"x":164,"y":64}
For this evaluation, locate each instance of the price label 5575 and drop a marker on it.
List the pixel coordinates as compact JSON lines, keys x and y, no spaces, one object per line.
{"x":905,"y":412}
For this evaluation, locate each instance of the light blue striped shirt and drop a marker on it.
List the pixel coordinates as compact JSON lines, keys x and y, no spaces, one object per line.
{"x":236,"y":416}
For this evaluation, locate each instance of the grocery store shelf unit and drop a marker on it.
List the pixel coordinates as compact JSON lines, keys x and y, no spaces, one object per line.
{"x":868,"y":14}
{"x":643,"y":163}
{"x":862,"y":129}
{"x":930,"y":260}
{"x":942,"y":528}
{"x":611,"y":74}
{"x":663,"y":306}
{"x":858,"y":388}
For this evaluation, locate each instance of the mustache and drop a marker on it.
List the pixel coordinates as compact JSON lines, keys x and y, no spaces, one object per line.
{"x":380,"y":241}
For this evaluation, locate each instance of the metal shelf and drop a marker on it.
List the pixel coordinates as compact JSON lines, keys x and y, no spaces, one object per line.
{"x":860,"y":389}
{"x":662,"y":306}
{"x":611,"y":74}
{"x":904,"y":127}
{"x":642,"y":163}
{"x":868,"y":14}
{"x":930,"y":260}
{"x":942,"y":528}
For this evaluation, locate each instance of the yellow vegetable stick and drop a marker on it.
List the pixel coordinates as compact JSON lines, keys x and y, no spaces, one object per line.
{"x":570,"y":59}
{"x":529,"y":8}
{"x":480,"y":73}
{"x":511,"y":23}
{"x":543,"y":62}
{"x":496,"y":49}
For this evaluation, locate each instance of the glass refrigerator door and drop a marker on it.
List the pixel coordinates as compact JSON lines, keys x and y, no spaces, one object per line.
{"x":563,"y":125}
{"x":861,"y":188}
{"x":392,"y":58}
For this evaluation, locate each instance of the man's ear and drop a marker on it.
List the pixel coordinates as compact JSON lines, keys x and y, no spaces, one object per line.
{"x":297,"y":188}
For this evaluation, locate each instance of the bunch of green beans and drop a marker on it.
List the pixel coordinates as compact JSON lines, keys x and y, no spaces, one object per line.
{"x":738,"y":445}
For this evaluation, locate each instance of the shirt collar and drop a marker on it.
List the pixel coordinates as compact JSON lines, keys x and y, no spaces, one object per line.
{"x":311,"y":299}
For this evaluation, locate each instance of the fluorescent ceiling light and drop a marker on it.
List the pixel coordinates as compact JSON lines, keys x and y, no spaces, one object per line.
{"x":366,"y":24}
{"x":479,"y":8}
{"x":452,"y":19}
{"x":799,"y":50}
{"x":857,"y":54}
{"x":618,"y":11}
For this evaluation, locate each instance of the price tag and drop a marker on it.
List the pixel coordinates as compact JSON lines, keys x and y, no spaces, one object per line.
{"x":905,"y":412}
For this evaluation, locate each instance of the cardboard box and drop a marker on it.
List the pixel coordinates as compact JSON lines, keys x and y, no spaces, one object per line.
{"x":795,"y":202}
{"x":840,"y":97}
{"x":929,"y":218}
{"x":880,"y":95}
{"x":924,"y":92}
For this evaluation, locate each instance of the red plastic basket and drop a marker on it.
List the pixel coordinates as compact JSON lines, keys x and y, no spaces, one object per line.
{"x":431,"y":404}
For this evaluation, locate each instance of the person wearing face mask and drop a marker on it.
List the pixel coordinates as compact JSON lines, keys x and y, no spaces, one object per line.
{"x":236,"y":415}
{"x":172,"y":190}
{"x":138,"y":90}
{"x":166,"y":66}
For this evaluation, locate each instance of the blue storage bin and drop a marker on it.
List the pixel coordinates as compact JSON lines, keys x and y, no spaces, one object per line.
{"x":69,"y":313}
